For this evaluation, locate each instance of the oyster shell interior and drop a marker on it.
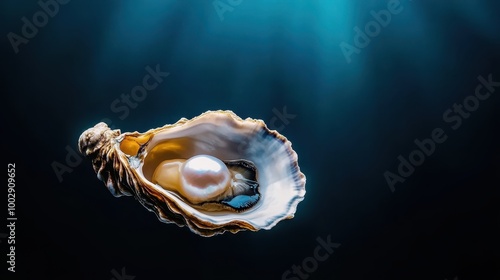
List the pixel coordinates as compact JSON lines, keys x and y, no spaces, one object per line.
{"x":213,"y":173}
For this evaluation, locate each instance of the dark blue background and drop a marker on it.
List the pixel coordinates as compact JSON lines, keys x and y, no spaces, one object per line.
{"x":352,"y":121}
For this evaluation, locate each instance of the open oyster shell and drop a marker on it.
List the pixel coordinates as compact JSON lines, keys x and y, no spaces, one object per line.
{"x":264,"y":186}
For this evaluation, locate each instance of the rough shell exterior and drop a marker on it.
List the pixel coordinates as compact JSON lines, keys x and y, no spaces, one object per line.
{"x":124,"y":162}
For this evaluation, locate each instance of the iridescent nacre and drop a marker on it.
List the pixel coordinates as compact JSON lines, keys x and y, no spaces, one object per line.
{"x":213,"y":173}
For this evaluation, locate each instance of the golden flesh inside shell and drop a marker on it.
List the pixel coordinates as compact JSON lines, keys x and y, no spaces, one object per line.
{"x":213,"y":173}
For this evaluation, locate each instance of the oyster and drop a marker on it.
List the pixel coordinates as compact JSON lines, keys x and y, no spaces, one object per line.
{"x":213,"y":173}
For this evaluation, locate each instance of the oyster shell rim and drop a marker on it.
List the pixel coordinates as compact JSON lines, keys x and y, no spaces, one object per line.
{"x":175,"y":204}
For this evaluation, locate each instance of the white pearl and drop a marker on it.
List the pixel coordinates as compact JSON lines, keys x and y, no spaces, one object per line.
{"x":204,"y":177}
